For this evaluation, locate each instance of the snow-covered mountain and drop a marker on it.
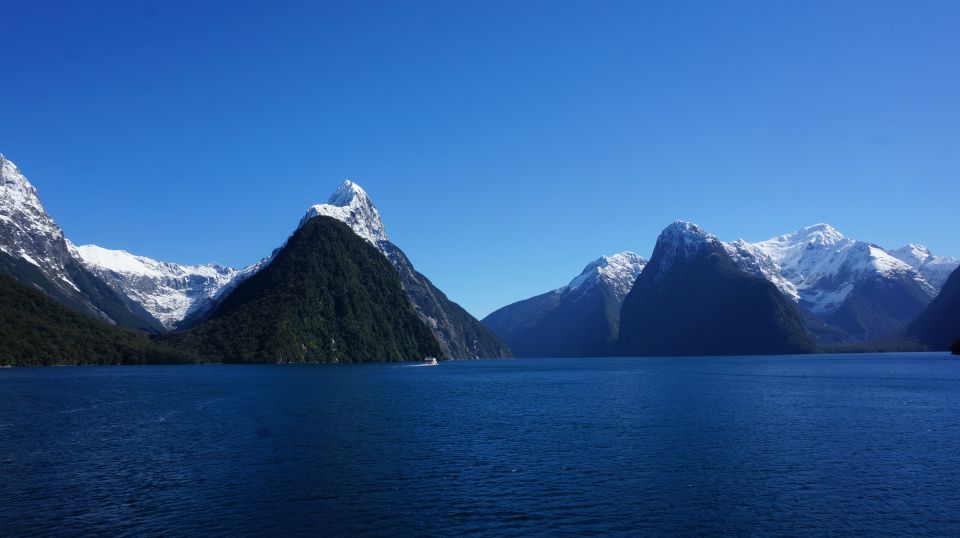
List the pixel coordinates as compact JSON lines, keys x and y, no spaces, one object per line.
{"x":351,"y":205}
{"x":27,"y":231}
{"x":36,"y":252}
{"x":934,"y":269}
{"x":692,"y":298}
{"x":580,"y":319}
{"x":459,"y":333}
{"x":617,"y":271}
{"x":825,"y":266}
{"x":168,"y":291}
{"x":754,"y":260}
{"x":854,"y":285}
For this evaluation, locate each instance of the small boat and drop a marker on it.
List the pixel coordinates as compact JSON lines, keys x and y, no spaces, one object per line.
{"x":430,"y":361}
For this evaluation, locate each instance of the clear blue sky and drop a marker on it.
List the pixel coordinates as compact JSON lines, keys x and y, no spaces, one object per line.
{"x":506,"y":143}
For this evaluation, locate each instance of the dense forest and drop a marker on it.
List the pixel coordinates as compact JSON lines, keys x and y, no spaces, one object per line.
{"x":37,"y":330}
{"x":327,"y":296}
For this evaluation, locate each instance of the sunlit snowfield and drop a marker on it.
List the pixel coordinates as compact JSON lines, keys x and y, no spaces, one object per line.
{"x":856,"y":444}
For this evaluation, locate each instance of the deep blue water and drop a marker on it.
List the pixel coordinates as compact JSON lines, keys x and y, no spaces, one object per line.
{"x":842,"y":445}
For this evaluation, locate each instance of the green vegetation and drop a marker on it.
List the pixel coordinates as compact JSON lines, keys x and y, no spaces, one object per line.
{"x":92,"y":296}
{"x":37,"y":330}
{"x":327,"y":296}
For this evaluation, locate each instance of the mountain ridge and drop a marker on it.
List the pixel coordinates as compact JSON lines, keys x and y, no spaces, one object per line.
{"x":692,"y":299}
{"x":580,"y":319}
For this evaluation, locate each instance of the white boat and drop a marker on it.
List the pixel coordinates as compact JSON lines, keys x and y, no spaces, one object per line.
{"x":430,"y":361}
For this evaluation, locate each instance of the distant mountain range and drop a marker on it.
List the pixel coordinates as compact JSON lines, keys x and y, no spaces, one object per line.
{"x":120,"y":288}
{"x":339,"y":290}
{"x":855,"y":286}
{"x":844,"y":291}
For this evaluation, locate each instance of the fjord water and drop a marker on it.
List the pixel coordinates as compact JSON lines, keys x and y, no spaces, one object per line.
{"x":854,"y":444}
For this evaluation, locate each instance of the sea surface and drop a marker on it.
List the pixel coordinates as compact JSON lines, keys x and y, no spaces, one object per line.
{"x":838,"y":445}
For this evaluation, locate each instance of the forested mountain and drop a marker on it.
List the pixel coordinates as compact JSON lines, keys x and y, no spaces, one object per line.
{"x":326,"y":296}
{"x":37,"y":330}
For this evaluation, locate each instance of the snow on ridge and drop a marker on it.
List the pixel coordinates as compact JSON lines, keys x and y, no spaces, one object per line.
{"x":935,"y":269}
{"x":680,"y":239}
{"x":824,"y":266}
{"x":619,"y":270}
{"x":753,"y":260}
{"x":121,"y":261}
{"x":883,"y":262}
{"x":168,"y":291}
{"x":28,"y":232}
{"x":351,"y":205}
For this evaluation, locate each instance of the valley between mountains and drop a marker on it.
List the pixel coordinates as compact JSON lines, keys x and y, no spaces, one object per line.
{"x":338,"y":290}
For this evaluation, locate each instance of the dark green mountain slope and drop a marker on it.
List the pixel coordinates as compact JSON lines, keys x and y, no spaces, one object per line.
{"x":692,"y":300}
{"x":37,"y":330}
{"x":327,"y":296}
{"x":92,"y":296}
{"x":939,"y":325}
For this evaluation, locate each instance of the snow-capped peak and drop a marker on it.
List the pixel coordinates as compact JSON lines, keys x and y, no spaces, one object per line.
{"x":818,"y":234}
{"x":351,"y":205}
{"x":346,"y":193}
{"x":618,"y":270}
{"x":912,"y":254}
{"x":825,"y":267}
{"x":679,"y":240}
{"x":935,"y":269}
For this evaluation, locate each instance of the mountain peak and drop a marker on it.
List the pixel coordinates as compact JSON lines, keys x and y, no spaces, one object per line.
{"x":819,"y":234}
{"x":351,"y":205}
{"x":680,"y":240}
{"x":913,"y":254}
{"x":681,"y":235}
{"x":618,"y":270}
{"x":685,"y":228}
{"x":346,"y":193}
{"x":935,"y":269}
